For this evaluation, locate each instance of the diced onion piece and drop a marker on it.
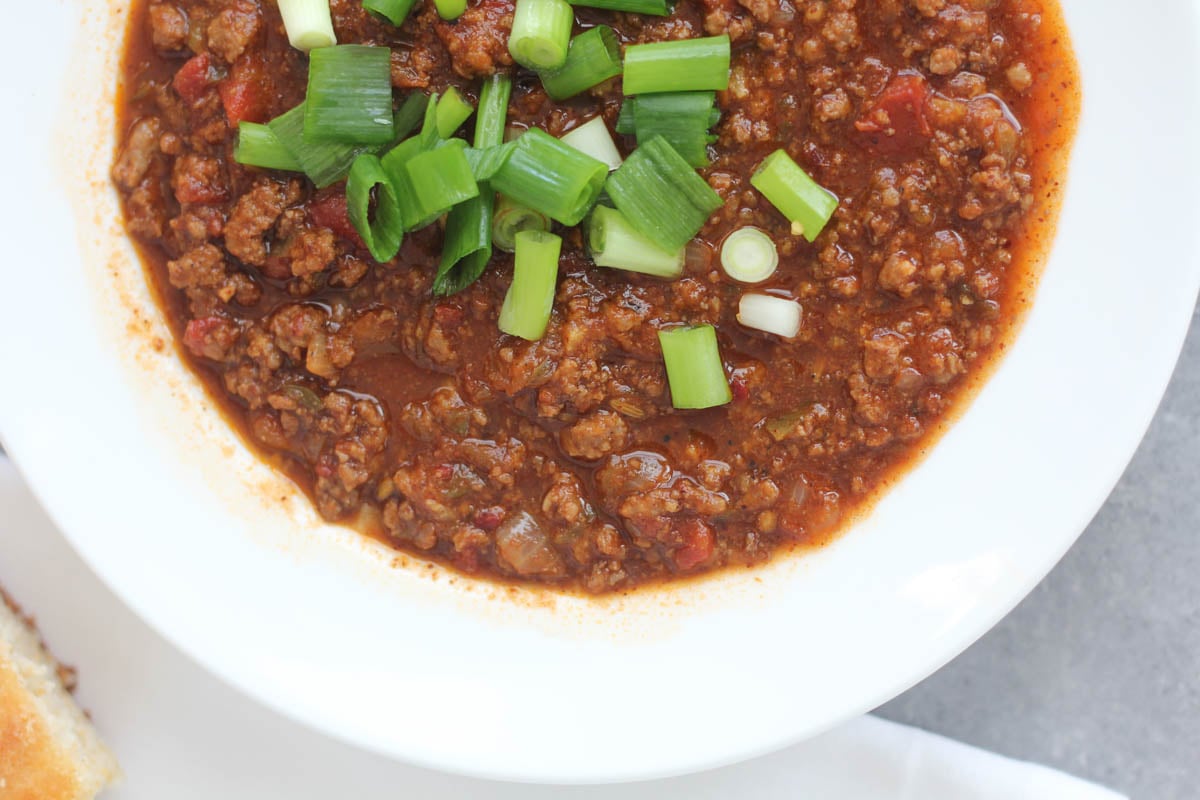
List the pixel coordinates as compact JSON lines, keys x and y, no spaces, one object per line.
{"x":808,"y":205}
{"x":450,"y":9}
{"x":541,"y":33}
{"x":695,"y":371}
{"x":511,"y":218}
{"x":593,"y":57}
{"x":349,"y":95}
{"x":592,"y":138}
{"x":748,"y":255}
{"x":614,"y":243}
{"x":308,"y":23}
{"x":384,"y":233}
{"x":661,"y":195}
{"x":530,"y":298}
{"x":396,"y":11}
{"x":683,"y":65}
{"x":552,"y":177}
{"x":776,"y":315}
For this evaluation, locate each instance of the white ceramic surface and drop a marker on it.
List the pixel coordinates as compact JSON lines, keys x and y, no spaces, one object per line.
{"x":223,"y":557}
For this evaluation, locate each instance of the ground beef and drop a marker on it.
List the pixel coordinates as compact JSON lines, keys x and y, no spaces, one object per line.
{"x":937,"y":123}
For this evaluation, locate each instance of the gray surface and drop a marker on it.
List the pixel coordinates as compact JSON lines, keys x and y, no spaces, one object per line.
{"x":1098,"y":671}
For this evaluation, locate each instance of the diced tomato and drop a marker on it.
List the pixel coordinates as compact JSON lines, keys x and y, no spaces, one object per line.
{"x":490,"y":518}
{"x":739,"y":389}
{"x":698,"y":544}
{"x":245,"y":93}
{"x":209,"y":337}
{"x":448,"y":315}
{"x":192,"y":80}
{"x":896,"y":121}
{"x":328,"y":210}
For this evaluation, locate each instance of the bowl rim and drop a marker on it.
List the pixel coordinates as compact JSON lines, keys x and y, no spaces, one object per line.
{"x":38,"y":460}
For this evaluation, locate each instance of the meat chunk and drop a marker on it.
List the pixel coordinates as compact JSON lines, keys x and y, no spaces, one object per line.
{"x":595,"y":436}
{"x":168,"y":27}
{"x":234,"y":29}
{"x":253,"y":215}
{"x":199,"y":179}
{"x":478,"y":40}
{"x":141,"y":147}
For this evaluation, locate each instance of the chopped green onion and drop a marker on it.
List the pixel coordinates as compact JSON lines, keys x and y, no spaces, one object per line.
{"x":407,"y":118}
{"x":452,"y":112}
{"x":625,"y":122}
{"x":487,"y":162}
{"x":511,"y":218}
{"x":661,"y":195}
{"x":682,"y":118}
{"x":541,"y":33}
{"x":749,"y":255}
{"x":396,"y":11}
{"x":308,"y":23}
{"x":684,"y":65}
{"x":450,"y":9}
{"x":325,"y":163}
{"x":551,"y":177}
{"x":659,"y":8}
{"x":441,"y":178}
{"x":468,"y":244}
{"x":258,"y":146}
{"x":384,"y":234}
{"x":594,"y":57}
{"x":349,"y":95}
{"x":530,"y":298}
{"x":695,"y":371}
{"x":764,"y":312}
{"x":615,"y":243}
{"x":798,"y":197}
{"x":593,"y":139}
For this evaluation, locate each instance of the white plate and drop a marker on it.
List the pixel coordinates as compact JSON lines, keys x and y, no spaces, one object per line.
{"x":222,"y":556}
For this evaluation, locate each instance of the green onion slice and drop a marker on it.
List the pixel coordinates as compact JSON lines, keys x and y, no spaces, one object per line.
{"x":695,"y":371}
{"x":592,"y":138}
{"x":798,"y":197}
{"x":493,"y":110}
{"x":384,"y":233}
{"x":468,"y":244}
{"x":685,"y":65}
{"x":615,"y":243}
{"x":749,"y":255}
{"x":452,"y":112}
{"x":764,"y":312}
{"x":510,"y":219}
{"x":308,"y":23}
{"x":593,"y":57}
{"x":258,"y":146}
{"x":450,"y":9}
{"x":661,"y":195}
{"x":541,"y":33}
{"x":658,"y":8}
{"x":349,"y":95}
{"x":551,"y":177}
{"x":395,"y":11}
{"x":682,"y":118}
{"x":441,"y":178}
{"x":530,"y":298}
{"x":325,"y":163}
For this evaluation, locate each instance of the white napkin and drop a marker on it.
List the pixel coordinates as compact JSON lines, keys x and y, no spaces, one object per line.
{"x":181,"y":734}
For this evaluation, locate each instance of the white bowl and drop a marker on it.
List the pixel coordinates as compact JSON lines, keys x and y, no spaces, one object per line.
{"x":225,"y":558}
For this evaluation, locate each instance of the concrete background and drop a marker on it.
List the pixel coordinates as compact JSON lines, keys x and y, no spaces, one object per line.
{"x":1098,"y":671}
